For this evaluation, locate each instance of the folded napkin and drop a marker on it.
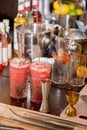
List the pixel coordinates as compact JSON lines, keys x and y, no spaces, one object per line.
{"x":81,"y":108}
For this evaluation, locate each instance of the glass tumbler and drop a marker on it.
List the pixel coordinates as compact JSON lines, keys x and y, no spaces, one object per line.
{"x":38,"y":71}
{"x":19,"y":73}
{"x":60,"y":66}
{"x":77,"y":70}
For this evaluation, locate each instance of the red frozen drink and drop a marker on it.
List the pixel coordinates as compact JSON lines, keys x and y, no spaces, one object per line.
{"x":38,"y":71}
{"x":19,"y":71}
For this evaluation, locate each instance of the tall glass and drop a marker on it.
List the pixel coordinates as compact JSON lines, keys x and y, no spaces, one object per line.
{"x":77,"y":70}
{"x":38,"y":71}
{"x":19,"y":72}
{"x":60,"y":66}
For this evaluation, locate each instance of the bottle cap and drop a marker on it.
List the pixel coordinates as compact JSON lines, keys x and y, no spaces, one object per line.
{"x":6,"y":22}
{"x":1,"y":25}
{"x":27,"y":4}
{"x":21,"y":1}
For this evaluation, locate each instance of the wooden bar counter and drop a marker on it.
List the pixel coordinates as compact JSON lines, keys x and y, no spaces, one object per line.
{"x":25,"y":115}
{"x":57,"y":99}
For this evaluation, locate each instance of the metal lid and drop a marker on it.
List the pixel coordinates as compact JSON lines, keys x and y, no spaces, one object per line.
{"x":76,"y":34}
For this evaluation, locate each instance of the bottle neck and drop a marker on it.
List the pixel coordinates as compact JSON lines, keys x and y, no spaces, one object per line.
{"x":3,"y":31}
{"x":35,"y":12}
{"x":35,"y":4}
{"x":27,"y":8}
{"x":7,"y":29}
{"x":41,"y":7}
{"x":20,"y":8}
{"x":46,"y":8}
{"x":4,"y":36}
{"x":6,"y":22}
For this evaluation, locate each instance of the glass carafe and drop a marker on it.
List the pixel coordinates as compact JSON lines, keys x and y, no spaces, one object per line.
{"x":36,"y":40}
{"x":77,"y":70}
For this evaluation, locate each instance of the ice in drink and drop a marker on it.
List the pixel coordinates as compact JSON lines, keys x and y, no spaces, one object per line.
{"x":60,"y":68}
{"x":38,"y":71}
{"x":19,"y":71}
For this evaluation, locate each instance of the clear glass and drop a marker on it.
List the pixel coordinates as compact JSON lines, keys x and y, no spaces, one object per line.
{"x":60,"y":66}
{"x":19,"y":72}
{"x":35,"y":40}
{"x":77,"y":70}
{"x":38,"y":71}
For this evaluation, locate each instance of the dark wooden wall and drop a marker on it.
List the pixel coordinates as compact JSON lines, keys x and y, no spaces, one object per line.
{"x":8,"y":9}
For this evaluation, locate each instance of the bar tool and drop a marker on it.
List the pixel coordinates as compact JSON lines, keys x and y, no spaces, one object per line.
{"x":46,"y":86}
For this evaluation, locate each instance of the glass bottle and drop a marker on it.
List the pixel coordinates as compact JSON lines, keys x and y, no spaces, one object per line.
{"x":77,"y":70}
{"x":27,"y":11}
{"x":9,"y":38}
{"x":41,"y":6}
{"x":4,"y":46}
{"x":61,"y":62}
{"x":19,"y":20}
{"x":47,"y":13}
{"x":35,"y":12}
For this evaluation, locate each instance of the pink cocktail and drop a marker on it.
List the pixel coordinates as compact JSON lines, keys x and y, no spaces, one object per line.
{"x":38,"y":71}
{"x":19,"y":72}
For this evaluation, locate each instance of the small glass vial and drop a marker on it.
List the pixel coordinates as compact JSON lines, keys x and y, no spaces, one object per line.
{"x":77,"y":70}
{"x":8,"y":37}
{"x":4,"y":46}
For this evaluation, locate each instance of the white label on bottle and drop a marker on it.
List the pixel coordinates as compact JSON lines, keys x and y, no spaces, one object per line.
{"x":5,"y":54}
{"x":35,"y":3}
{"x":41,"y":6}
{"x":27,"y":4}
{"x":0,"y":52}
{"x":15,"y":47}
{"x":21,"y":7}
{"x":46,"y":8}
{"x":9,"y":50}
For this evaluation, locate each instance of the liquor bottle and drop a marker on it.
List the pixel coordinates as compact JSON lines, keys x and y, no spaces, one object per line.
{"x":9,"y":38}
{"x":1,"y":67}
{"x":35,"y":12}
{"x":41,"y":7}
{"x":4,"y":46}
{"x":47,"y":13}
{"x":19,"y":20}
{"x":27,"y":11}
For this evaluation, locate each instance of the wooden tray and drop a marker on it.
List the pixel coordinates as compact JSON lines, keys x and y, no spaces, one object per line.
{"x":31,"y":120}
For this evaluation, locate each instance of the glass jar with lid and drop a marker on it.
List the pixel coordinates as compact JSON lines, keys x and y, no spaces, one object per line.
{"x":77,"y":70}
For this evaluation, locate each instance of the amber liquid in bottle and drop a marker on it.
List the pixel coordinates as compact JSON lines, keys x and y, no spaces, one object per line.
{"x":19,"y":20}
